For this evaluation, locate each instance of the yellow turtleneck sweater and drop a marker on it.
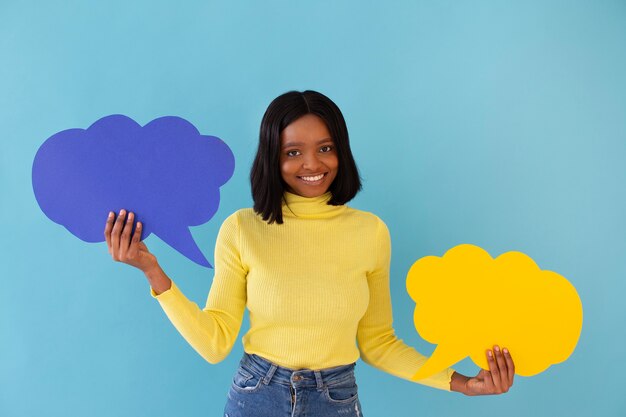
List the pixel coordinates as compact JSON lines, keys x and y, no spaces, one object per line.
{"x":314,"y":285}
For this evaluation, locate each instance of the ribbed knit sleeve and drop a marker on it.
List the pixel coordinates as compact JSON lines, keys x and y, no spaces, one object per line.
{"x":213,"y":330}
{"x":376,"y":337}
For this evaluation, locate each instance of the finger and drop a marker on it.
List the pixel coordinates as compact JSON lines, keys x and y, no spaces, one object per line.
{"x":486,"y":379}
{"x":495,"y":374}
{"x":502,"y":369}
{"x":115,"y":234}
{"x":137,"y":234}
{"x":510,"y":365}
{"x":128,"y":227}
{"x":108,"y":228}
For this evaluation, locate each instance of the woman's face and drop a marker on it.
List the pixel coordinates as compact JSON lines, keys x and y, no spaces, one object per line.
{"x":308,"y":159}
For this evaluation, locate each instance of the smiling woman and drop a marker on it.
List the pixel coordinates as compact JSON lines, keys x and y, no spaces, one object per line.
{"x":303,"y":135}
{"x":313,"y":273}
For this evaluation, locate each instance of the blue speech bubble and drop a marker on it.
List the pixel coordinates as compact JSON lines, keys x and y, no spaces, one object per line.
{"x":165,"y":172}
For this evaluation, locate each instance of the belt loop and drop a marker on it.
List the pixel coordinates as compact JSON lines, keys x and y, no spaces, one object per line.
{"x":270,"y":374}
{"x":318,"y":379}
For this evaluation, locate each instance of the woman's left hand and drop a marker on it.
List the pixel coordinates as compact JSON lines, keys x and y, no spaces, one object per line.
{"x":497,"y":380}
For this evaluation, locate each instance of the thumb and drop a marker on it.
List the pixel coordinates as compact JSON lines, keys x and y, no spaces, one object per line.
{"x":482,"y":374}
{"x":142,"y":246}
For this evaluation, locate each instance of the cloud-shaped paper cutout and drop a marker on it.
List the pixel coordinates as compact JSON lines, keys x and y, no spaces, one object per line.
{"x":166,"y":172}
{"x":467,"y":302}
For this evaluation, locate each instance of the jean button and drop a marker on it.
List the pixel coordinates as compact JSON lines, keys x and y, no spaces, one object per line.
{"x":297,"y":377}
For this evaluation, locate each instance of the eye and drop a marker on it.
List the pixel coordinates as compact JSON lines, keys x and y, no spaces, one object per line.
{"x":293,"y":153}
{"x":326,"y":148}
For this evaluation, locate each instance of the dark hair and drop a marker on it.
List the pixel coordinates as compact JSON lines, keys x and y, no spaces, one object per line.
{"x":265,"y":177}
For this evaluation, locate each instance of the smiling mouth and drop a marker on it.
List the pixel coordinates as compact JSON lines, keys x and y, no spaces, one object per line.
{"x":313,"y":179}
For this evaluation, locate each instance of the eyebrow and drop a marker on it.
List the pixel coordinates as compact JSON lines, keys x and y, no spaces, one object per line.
{"x":319,"y":142}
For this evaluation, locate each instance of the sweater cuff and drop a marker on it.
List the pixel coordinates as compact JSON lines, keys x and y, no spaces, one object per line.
{"x":166,"y":295}
{"x":450,"y":372}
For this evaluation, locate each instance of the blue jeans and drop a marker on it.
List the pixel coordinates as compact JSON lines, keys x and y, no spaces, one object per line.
{"x":263,"y":389}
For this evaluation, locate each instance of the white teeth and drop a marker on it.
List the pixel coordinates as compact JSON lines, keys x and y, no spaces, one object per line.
{"x":318,"y":177}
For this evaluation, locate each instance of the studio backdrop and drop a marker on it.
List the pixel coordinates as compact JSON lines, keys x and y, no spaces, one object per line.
{"x":498,"y":124}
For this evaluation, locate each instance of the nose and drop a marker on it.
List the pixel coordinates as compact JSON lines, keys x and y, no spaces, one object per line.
{"x":311,"y":162}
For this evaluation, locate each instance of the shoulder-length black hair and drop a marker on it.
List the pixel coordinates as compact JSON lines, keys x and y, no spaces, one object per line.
{"x":265,"y":177}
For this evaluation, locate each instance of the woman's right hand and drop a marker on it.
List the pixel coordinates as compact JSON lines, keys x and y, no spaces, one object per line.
{"x":122,"y":247}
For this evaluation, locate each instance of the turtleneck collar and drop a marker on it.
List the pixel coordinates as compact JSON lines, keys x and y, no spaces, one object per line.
{"x":295,"y":205}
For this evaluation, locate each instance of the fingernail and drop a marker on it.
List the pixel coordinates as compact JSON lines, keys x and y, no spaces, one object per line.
{"x":505,"y":350}
{"x":489,"y":353}
{"x":110,"y":214}
{"x":122,"y":212}
{"x":496,"y":348}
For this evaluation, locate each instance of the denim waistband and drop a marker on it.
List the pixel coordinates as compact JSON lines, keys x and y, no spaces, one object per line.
{"x":269,"y":371}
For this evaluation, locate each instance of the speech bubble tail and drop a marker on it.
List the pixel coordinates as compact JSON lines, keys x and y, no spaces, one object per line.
{"x":442,"y":358}
{"x":182,"y":240}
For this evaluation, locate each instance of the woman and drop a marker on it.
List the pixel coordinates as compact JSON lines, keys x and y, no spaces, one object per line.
{"x":313,"y":273}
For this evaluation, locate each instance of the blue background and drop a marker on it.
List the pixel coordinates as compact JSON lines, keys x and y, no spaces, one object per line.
{"x":500,"y":124}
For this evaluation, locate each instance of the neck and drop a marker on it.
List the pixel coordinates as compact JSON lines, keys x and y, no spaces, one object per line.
{"x":295,"y":205}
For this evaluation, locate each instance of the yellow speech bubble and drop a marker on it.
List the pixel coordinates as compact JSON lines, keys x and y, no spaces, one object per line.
{"x":467,"y":302}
